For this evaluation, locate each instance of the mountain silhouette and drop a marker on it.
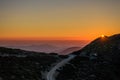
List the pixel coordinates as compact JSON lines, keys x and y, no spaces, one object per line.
{"x":99,"y":45}
{"x":99,"y":60}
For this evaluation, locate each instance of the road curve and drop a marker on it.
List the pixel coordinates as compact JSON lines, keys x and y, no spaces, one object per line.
{"x":51,"y":73}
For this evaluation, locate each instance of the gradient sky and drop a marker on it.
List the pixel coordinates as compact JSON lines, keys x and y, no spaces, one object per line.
{"x":58,"y":19}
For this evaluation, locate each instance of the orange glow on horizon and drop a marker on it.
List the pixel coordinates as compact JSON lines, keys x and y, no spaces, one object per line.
{"x":51,"y":20}
{"x":89,"y":37}
{"x":102,"y":36}
{"x":44,"y":38}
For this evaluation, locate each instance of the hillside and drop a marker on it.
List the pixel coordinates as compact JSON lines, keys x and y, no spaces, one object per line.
{"x":99,"y":60}
{"x":16,"y":64}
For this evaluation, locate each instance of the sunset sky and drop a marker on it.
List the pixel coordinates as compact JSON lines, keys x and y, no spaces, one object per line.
{"x":58,"y":19}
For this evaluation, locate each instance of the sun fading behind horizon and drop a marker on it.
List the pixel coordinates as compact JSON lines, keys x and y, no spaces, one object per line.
{"x":58,"y":19}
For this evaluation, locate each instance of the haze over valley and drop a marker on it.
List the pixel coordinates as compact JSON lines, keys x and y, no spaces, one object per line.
{"x":47,"y":46}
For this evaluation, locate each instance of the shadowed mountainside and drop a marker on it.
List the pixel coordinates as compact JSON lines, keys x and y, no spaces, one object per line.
{"x":16,"y":64}
{"x":99,"y":60}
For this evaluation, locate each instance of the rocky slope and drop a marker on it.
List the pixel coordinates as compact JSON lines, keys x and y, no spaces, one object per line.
{"x":16,"y":64}
{"x":99,"y":60}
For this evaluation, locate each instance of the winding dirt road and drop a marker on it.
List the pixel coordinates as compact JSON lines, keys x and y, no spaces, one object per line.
{"x":51,"y":73}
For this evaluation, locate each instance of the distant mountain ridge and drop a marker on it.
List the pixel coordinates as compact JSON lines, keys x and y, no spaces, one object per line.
{"x":69,"y":50}
{"x":38,"y":48}
{"x":49,"y":46}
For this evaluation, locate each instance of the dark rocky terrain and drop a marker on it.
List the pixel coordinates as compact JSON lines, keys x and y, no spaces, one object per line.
{"x":16,"y":64}
{"x":99,"y":60}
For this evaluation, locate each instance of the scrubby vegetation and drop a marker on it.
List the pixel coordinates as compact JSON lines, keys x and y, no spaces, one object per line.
{"x":97,"y":61}
{"x":16,"y":64}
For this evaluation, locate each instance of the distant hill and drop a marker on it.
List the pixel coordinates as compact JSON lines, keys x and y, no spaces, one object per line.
{"x":69,"y":50}
{"x":38,"y":48}
{"x":99,"y":60}
{"x":46,"y":46}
